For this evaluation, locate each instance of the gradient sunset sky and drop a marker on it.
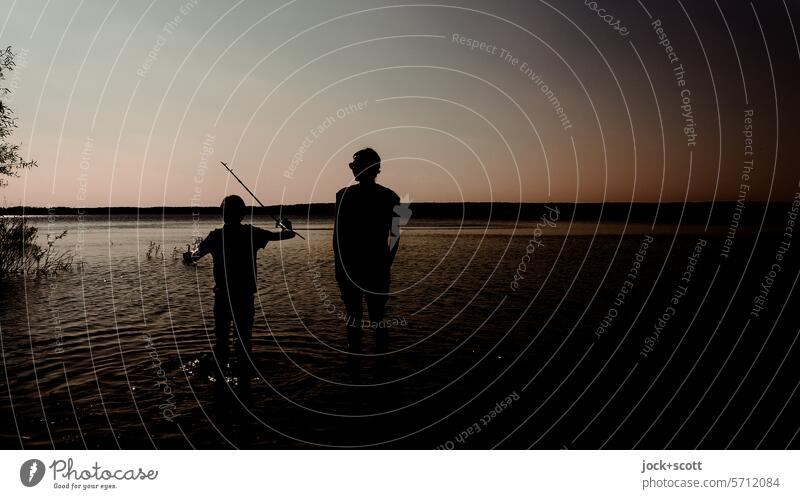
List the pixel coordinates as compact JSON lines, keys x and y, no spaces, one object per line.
{"x":135,"y":103}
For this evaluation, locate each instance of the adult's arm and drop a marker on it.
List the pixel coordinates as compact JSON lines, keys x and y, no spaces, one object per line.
{"x":338,"y":270}
{"x":394,"y":231}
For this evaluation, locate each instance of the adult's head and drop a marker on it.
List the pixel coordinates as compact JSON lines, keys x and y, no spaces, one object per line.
{"x":233,"y":209}
{"x":366,"y":165}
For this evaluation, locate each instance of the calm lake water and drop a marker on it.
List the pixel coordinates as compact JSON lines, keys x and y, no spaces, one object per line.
{"x":102,"y":356}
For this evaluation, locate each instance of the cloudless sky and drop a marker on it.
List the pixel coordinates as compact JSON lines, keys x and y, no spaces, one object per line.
{"x":135,"y":103}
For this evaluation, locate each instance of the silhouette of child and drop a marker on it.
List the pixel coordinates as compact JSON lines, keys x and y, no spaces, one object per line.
{"x":233,"y":248}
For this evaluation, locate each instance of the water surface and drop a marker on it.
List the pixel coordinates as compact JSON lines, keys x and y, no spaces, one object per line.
{"x":102,"y":356}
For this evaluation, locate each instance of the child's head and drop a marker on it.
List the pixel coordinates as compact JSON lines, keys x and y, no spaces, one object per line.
{"x":366,"y":165}
{"x":233,"y":209}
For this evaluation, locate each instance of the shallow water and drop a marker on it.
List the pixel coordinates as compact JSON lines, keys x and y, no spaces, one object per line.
{"x":102,"y":356}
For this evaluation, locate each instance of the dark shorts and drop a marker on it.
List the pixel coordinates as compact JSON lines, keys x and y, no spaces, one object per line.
{"x":370,"y":287}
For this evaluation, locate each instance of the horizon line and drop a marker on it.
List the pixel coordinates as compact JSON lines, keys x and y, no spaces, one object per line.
{"x":521,"y":203}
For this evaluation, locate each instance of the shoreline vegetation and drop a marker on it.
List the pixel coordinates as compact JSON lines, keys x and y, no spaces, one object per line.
{"x":22,"y":253}
{"x":685,"y":213}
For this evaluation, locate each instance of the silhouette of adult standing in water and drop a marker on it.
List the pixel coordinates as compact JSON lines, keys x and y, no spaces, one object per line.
{"x":234,"y":248}
{"x":364,"y":248}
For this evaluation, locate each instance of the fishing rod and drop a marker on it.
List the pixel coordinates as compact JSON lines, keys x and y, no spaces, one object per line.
{"x":278,"y":221}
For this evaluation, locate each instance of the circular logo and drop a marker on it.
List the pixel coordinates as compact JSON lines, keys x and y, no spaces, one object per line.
{"x":31,"y":472}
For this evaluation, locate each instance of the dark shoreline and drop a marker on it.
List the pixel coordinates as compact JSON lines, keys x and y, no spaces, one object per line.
{"x":701,"y":212}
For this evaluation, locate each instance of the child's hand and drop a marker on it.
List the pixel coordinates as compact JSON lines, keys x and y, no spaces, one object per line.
{"x":285,"y":223}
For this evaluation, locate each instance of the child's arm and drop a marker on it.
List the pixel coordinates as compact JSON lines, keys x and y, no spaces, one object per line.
{"x":284,"y":234}
{"x":202,"y":250}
